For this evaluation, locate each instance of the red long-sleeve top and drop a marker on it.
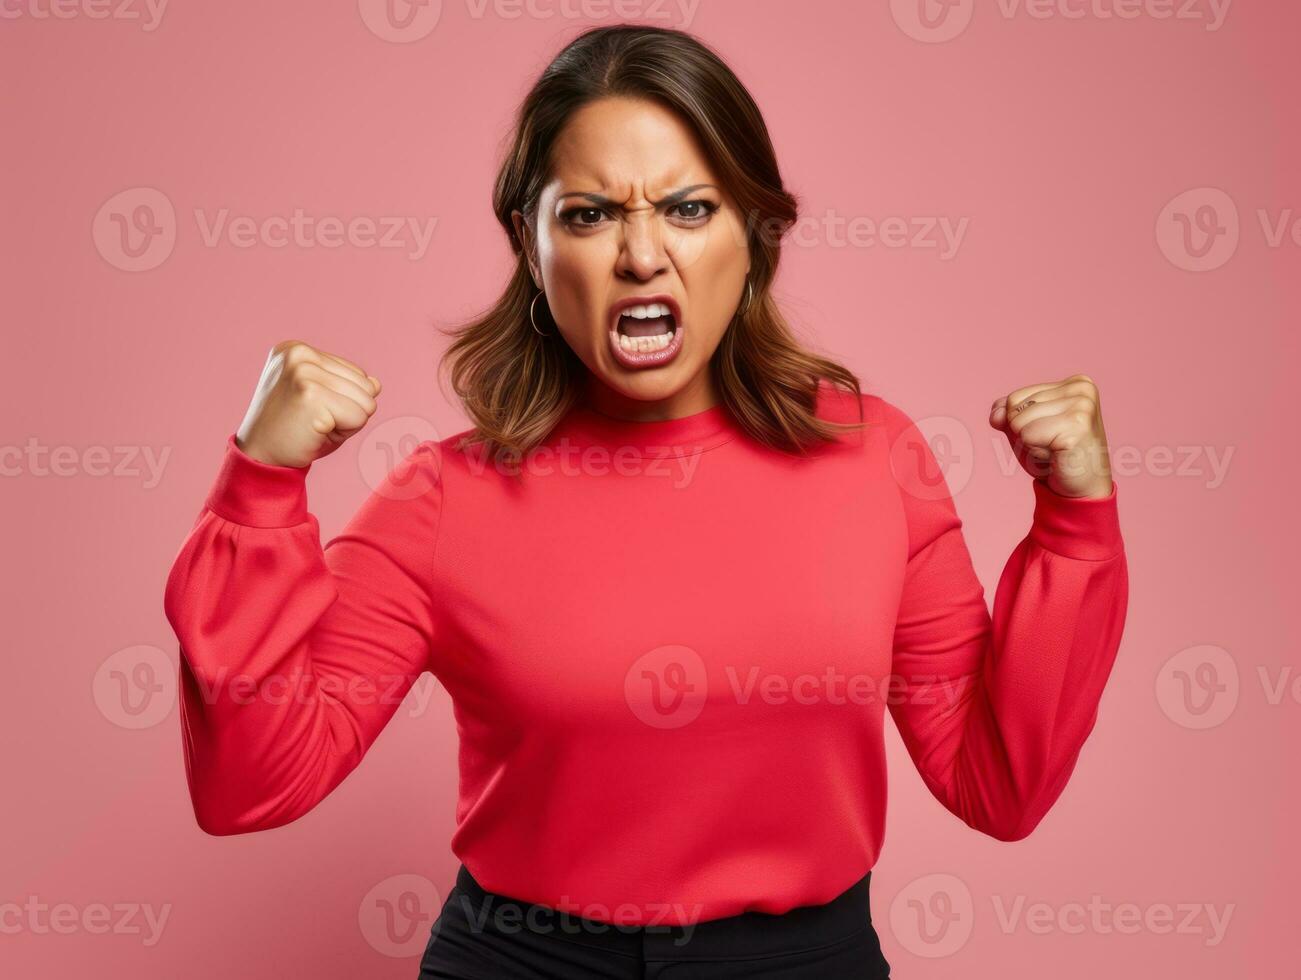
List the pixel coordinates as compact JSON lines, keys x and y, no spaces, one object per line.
{"x":669,"y":651}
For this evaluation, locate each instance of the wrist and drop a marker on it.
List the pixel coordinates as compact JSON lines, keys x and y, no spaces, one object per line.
{"x":1100,"y":489}
{"x":255,"y":493}
{"x":1076,"y":527}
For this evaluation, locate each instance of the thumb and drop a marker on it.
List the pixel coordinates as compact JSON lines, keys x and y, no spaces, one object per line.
{"x":998,"y":414}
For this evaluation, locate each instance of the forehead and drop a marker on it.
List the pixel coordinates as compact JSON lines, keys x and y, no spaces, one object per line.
{"x":625,"y":143}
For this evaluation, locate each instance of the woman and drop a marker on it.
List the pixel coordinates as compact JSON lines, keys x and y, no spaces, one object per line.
{"x":671,"y":577}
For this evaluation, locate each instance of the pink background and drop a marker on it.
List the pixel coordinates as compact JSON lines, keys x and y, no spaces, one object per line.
{"x":1060,"y":140}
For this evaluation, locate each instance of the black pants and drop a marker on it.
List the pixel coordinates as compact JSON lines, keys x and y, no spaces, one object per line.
{"x":481,"y":935}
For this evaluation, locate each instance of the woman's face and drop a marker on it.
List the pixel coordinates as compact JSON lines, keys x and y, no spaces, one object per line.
{"x":634,"y":211}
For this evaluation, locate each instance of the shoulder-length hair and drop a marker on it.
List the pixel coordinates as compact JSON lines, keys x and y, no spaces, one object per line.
{"x":516,"y":384}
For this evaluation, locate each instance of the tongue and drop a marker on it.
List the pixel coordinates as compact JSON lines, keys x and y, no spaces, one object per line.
{"x":649,"y":327}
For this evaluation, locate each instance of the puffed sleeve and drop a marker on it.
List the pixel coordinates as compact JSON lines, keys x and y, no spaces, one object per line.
{"x":293,"y":657}
{"x":994,"y":711}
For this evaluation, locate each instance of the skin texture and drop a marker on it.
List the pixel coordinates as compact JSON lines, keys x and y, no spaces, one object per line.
{"x":307,"y":404}
{"x":1059,"y":438}
{"x":585,"y":255}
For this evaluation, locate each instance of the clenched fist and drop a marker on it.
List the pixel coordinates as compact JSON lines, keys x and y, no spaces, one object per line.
{"x":1055,"y":430}
{"x":308,"y":402}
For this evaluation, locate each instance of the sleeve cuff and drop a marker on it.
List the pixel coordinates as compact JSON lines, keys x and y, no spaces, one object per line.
{"x":256,"y":494}
{"x":1076,"y":527}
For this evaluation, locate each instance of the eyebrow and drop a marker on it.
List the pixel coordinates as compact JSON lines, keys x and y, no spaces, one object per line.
{"x":674,"y":198}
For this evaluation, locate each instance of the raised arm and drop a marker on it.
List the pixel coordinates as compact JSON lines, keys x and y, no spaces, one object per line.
{"x":293,"y":657}
{"x":994,"y":711}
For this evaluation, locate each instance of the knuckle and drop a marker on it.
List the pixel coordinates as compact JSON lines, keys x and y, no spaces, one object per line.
{"x":297,"y":352}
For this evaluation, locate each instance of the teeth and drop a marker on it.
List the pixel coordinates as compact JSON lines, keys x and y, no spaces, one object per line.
{"x":636,"y":345}
{"x":647,"y":310}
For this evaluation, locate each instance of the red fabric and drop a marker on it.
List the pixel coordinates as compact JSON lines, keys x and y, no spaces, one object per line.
{"x":780,"y":603}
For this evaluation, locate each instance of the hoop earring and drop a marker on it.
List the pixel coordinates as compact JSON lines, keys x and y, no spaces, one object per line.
{"x":532,"y":320}
{"x":749,"y":299}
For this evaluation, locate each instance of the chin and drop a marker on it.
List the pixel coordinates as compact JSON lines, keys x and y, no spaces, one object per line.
{"x":646,"y":384}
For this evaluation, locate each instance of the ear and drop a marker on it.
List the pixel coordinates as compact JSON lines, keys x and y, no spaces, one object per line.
{"x":528,"y":244}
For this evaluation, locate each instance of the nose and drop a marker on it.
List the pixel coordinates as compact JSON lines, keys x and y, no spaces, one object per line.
{"x":642,"y":255}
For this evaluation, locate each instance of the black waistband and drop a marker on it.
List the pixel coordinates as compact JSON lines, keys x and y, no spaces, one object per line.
{"x":752,"y":933}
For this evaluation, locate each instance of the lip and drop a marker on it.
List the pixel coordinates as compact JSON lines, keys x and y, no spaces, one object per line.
{"x":650,"y":358}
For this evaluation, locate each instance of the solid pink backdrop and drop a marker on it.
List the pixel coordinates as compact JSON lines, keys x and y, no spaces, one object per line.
{"x":1118,"y":179}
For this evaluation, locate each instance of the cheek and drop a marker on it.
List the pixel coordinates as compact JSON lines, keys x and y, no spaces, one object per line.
{"x":573,"y":273}
{"x":712,"y":271}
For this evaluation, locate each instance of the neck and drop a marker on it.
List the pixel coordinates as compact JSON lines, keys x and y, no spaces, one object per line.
{"x":699,"y":395}
{"x":646,"y":428}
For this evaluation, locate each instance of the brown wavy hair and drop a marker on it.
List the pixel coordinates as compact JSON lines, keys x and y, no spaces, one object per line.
{"x":516,"y":384}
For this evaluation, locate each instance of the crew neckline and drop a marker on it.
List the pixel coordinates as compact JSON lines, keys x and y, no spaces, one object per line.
{"x":685,"y":435}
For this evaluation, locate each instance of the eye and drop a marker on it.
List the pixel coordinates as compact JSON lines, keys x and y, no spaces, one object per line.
{"x":568,"y":217}
{"x":693,"y":213}
{"x":698,"y":211}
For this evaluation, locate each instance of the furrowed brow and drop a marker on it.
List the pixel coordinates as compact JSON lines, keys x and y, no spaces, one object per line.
{"x":671,"y":199}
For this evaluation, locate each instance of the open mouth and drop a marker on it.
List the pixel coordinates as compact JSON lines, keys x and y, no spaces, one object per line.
{"x":646,"y":328}
{"x":646,"y":331}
